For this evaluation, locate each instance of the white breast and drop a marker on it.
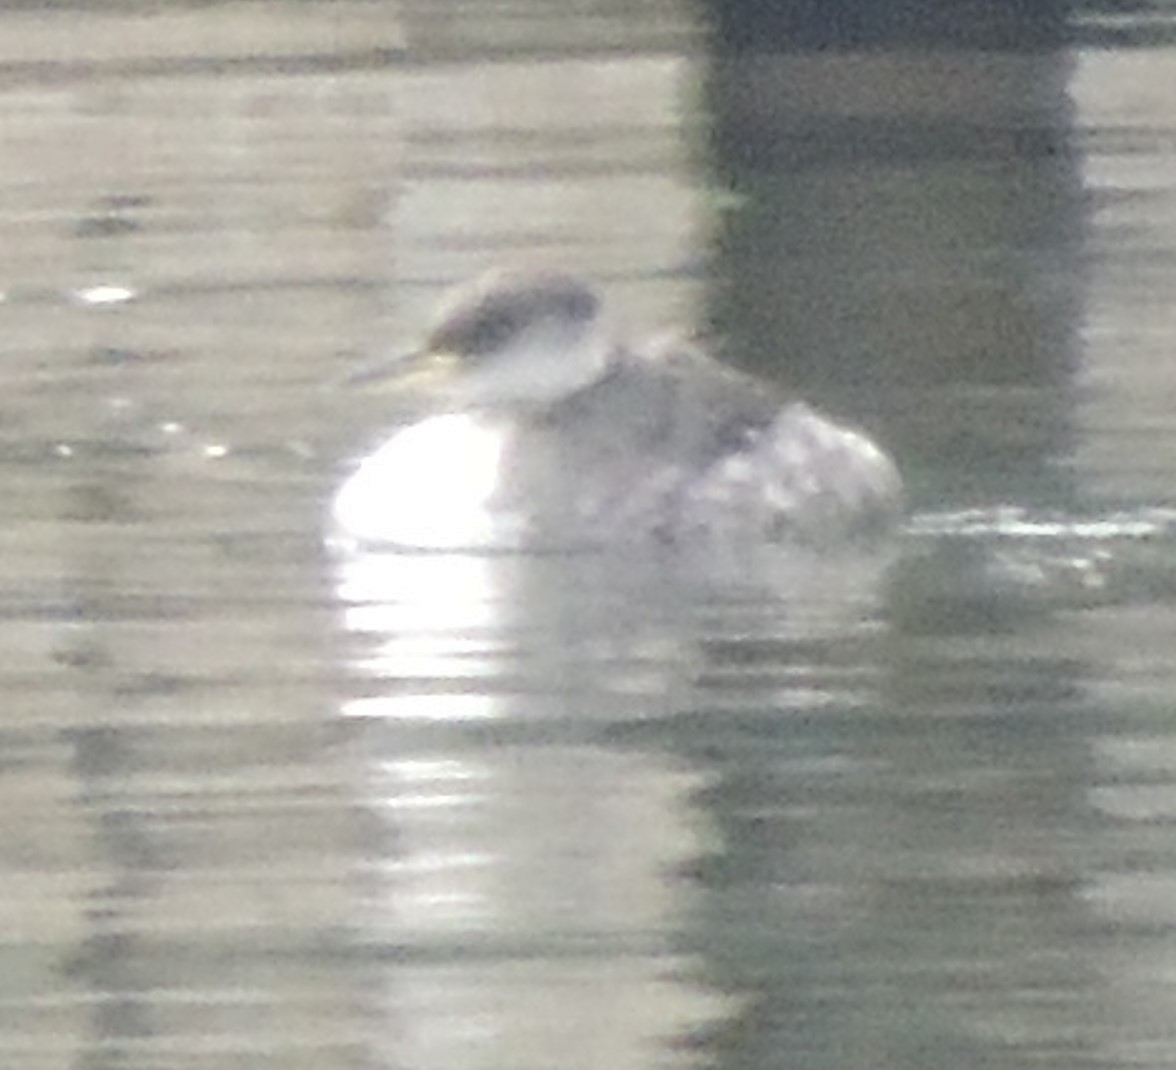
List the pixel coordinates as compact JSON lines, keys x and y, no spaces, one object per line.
{"x":429,"y":486}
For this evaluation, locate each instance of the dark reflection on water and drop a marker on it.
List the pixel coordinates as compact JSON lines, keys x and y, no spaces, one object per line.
{"x":863,"y":831}
{"x":907,"y":244}
{"x":264,"y":806}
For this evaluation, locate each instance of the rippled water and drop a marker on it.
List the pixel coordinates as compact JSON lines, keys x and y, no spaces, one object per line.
{"x":270,"y":805}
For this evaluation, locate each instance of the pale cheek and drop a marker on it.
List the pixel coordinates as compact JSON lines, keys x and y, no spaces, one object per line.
{"x":544,"y":366}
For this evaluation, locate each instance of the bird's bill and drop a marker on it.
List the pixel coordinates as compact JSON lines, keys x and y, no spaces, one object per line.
{"x":419,"y":371}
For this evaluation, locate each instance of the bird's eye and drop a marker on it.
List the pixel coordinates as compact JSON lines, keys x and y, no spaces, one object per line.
{"x":476,"y":334}
{"x":492,"y":330}
{"x":496,"y":322}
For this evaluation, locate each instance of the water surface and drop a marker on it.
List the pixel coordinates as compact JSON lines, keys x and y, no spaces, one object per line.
{"x":269,"y":806}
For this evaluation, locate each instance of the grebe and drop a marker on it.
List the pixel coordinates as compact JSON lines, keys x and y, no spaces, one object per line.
{"x":548,"y":432}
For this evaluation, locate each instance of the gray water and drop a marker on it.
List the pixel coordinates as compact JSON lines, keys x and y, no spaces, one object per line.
{"x":264,"y":805}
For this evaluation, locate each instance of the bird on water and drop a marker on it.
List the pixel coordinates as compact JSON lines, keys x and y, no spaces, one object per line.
{"x":546,"y":430}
